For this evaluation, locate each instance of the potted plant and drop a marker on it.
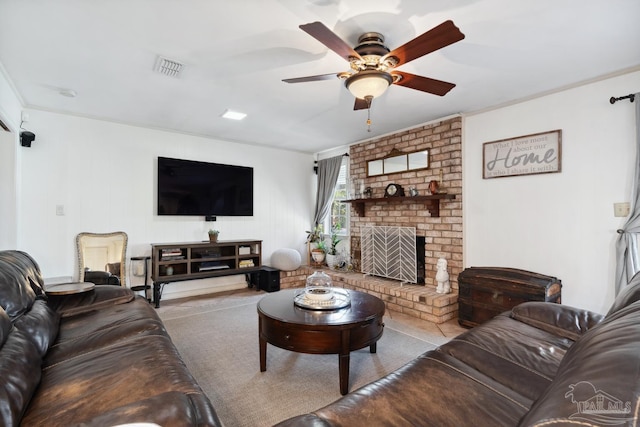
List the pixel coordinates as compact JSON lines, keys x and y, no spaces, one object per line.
{"x":315,"y":234}
{"x":314,"y":239}
{"x":332,"y":252}
{"x":213,"y":235}
{"x":319,"y":251}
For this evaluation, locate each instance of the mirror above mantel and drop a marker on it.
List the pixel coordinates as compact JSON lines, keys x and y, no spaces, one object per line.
{"x":397,"y":161}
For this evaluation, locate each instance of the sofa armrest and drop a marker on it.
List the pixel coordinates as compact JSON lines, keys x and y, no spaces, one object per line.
{"x":560,"y":320}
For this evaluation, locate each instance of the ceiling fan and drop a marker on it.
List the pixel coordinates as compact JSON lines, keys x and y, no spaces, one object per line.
{"x":373,"y":64}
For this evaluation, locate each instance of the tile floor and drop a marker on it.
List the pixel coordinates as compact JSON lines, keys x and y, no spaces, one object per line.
{"x":436,"y":334}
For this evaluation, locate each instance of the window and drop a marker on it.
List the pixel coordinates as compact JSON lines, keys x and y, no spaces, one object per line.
{"x":339,"y":213}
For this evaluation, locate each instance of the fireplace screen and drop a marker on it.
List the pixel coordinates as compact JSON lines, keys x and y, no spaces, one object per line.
{"x":389,"y":252}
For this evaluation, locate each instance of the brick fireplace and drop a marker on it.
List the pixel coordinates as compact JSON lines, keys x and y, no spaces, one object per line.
{"x":443,"y":234}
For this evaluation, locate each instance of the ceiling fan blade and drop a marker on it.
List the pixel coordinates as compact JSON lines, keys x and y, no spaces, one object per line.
{"x":330,"y":76}
{"x":436,"y":38}
{"x":360,"y":104}
{"x":328,"y":38}
{"x":424,"y":84}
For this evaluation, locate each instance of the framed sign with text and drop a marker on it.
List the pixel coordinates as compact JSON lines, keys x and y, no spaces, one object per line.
{"x":524,"y":155}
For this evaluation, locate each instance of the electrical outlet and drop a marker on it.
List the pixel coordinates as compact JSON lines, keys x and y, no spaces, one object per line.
{"x":621,"y":209}
{"x":60,"y":210}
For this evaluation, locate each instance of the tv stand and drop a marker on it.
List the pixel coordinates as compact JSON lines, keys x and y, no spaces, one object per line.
{"x":176,"y":262}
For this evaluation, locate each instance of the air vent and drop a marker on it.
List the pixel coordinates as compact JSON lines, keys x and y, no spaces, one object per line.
{"x":168,"y":67}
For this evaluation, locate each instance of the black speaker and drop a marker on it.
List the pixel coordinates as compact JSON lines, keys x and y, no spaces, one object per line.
{"x":269,"y":279}
{"x":26,"y":138}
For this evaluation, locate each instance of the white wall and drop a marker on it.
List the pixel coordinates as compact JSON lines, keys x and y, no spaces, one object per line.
{"x":8,"y":214}
{"x":104,"y":176}
{"x":560,"y":224}
{"x":10,"y":109}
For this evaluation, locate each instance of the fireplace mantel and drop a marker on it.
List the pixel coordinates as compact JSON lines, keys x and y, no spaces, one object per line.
{"x":432,"y":202}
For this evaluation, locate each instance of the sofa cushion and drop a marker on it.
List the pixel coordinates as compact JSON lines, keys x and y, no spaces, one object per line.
{"x":41,"y":324}
{"x":519,"y":356}
{"x":598,"y":381}
{"x":423,"y":392}
{"x":109,"y":317}
{"x":19,"y":371}
{"x":16,"y":292}
{"x":28,"y":267}
{"x":128,"y":372}
{"x":95,"y":330}
{"x":70,"y":348}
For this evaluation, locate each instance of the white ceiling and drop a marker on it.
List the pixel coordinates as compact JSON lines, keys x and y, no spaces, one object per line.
{"x":236,"y":53}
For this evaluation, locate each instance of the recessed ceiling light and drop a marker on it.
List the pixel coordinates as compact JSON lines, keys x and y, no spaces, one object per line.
{"x":233,"y":115}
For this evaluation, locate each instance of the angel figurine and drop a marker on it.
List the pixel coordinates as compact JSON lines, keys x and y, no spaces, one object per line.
{"x":442,"y":277}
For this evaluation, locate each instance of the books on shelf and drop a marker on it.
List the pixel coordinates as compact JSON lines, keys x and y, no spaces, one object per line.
{"x":172,"y":251}
{"x":171,"y":254}
{"x":246,"y":263}
{"x":172,"y":258}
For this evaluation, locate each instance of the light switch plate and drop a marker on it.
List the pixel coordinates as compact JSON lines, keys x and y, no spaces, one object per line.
{"x":621,"y":209}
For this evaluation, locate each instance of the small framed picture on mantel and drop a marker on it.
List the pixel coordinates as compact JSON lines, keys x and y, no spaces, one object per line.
{"x":524,"y":155}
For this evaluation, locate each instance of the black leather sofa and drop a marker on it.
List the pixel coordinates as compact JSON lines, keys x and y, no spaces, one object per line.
{"x":540,"y":364}
{"x":99,"y":358}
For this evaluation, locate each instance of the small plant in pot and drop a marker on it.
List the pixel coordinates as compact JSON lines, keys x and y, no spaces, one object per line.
{"x":314,"y":235}
{"x":332,"y":251}
{"x":213,"y":235}
{"x":319,"y":251}
{"x":315,"y":245}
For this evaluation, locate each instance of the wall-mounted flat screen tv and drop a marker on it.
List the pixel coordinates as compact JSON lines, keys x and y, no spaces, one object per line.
{"x":190,"y":188}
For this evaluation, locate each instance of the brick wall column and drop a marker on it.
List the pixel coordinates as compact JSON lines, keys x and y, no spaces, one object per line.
{"x":443,"y":235}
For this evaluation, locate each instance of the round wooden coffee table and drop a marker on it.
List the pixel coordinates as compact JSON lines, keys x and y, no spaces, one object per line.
{"x":285,"y":325}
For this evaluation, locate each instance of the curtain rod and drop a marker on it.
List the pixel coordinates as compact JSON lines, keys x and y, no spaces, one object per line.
{"x":315,"y":163}
{"x":344,"y":155}
{"x":631,"y":97}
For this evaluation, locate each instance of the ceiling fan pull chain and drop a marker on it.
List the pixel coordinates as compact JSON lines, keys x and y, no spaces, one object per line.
{"x":368,"y":99}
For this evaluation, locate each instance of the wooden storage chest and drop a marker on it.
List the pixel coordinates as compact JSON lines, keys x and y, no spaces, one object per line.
{"x":485,"y":292}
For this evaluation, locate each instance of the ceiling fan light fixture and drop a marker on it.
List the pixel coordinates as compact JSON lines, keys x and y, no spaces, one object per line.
{"x":371,"y":83}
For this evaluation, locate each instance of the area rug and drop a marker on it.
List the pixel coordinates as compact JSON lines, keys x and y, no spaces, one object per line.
{"x":220,"y":347}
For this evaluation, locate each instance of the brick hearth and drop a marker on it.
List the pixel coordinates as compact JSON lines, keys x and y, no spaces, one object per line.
{"x":417,"y":301}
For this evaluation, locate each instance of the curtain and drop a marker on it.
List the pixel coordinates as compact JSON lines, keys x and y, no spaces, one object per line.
{"x":627,"y":243}
{"x":328,"y":171}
